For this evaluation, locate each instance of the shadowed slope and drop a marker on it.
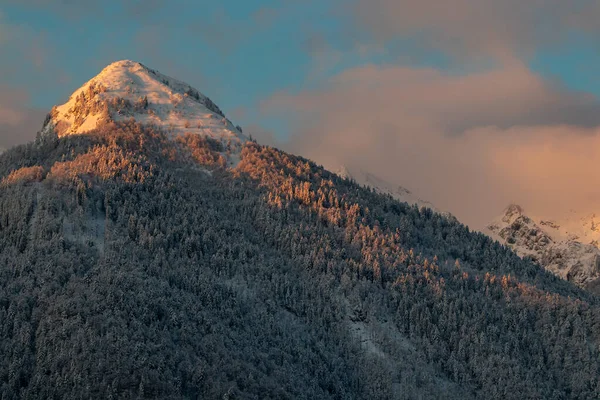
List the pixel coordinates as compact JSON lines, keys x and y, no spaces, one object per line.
{"x":275,"y":279}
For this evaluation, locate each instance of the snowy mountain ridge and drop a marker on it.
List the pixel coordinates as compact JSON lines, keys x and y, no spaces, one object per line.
{"x":382,"y":186}
{"x":568,"y":247}
{"x":129,"y":90}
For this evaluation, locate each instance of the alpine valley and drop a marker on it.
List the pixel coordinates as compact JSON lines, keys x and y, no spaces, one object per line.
{"x":149,"y":249}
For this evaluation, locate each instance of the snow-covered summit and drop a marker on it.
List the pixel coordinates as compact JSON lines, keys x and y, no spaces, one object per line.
{"x":127,"y":89}
{"x":567,"y":246}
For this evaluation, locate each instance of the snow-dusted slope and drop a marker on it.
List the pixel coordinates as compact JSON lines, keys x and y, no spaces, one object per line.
{"x":381,"y":186}
{"x":127,"y":89}
{"x":568,"y":247}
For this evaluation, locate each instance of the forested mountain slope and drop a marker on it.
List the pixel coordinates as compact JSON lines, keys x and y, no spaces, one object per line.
{"x":137,"y":265}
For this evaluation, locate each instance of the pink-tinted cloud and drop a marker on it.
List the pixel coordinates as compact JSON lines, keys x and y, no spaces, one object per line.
{"x":470,"y":144}
{"x":19,"y":122}
{"x":261,"y":135}
{"x":11,"y":105}
{"x":501,"y":29}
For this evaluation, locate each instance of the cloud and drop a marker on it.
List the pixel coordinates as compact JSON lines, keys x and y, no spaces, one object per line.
{"x":67,"y":8}
{"x":324,"y":56}
{"x":261,"y":135}
{"x":140,"y":10}
{"x":468,"y":143}
{"x":220,"y":31}
{"x":22,"y":41}
{"x":225,"y":33}
{"x":28,"y":57}
{"x":266,"y":16}
{"x":19,"y":122}
{"x":143,"y":9}
{"x":501,"y":29}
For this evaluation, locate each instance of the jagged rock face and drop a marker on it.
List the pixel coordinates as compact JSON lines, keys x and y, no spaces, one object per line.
{"x":568,"y":248}
{"x":126,"y":90}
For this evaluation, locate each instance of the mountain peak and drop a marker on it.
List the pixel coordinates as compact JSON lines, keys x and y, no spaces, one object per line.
{"x":513,"y":209}
{"x":512,"y":212}
{"x":123,"y":64}
{"x":567,"y":247}
{"x":126,"y":90}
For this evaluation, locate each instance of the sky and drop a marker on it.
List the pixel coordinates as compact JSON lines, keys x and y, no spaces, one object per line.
{"x":471,"y":104}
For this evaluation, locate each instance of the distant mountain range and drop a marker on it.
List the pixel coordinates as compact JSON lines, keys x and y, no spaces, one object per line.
{"x":568,"y":247}
{"x":382,"y":186}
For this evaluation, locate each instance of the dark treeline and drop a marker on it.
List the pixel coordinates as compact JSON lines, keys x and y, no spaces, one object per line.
{"x":132,"y":266}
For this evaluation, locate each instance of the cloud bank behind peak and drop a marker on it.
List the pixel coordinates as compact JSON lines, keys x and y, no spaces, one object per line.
{"x":469,"y":143}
